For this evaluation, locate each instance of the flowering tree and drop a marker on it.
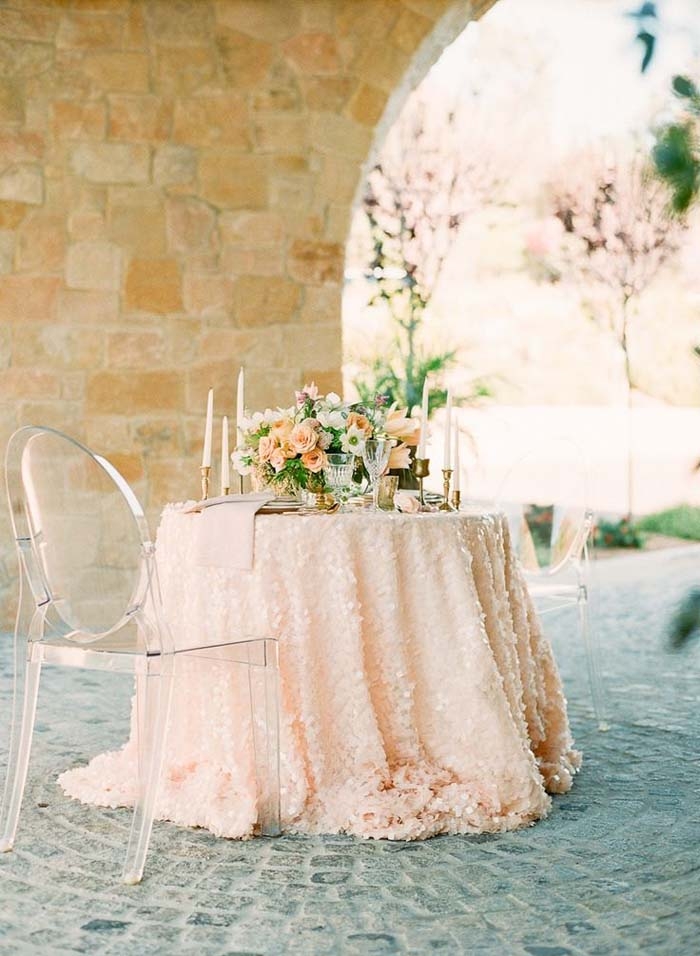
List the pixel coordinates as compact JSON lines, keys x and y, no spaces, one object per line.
{"x":610,"y":229}
{"x":432,"y":172}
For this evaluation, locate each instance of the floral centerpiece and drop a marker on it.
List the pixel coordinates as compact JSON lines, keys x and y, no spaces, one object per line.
{"x":285,"y":449}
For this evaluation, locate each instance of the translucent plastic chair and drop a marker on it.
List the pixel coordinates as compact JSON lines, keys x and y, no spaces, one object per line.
{"x":544,"y":496}
{"x":89,"y":597}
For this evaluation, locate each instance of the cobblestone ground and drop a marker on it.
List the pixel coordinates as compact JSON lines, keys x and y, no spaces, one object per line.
{"x":614,"y":870}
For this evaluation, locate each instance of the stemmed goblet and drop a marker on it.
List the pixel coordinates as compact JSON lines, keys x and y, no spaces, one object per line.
{"x":339,"y":475}
{"x":375,"y":455}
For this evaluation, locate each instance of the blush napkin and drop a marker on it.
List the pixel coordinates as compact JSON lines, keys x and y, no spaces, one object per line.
{"x":226,"y":530}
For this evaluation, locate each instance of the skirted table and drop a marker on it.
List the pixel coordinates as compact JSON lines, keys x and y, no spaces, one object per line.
{"x":418,"y":694}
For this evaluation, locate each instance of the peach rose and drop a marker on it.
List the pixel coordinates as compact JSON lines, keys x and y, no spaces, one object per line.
{"x":314,"y":460}
{"x":266,"y":446}
{"x":281,"y":430}
{"x":400,"y":457}
{"x":278,"y":459}
{"x":361,"y":422}
{"x":303,"y":438}
{"x":398,"y":426}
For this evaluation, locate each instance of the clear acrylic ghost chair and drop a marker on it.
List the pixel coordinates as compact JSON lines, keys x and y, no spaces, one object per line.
{"x":89,"y":597}
{"x":544,"y":496}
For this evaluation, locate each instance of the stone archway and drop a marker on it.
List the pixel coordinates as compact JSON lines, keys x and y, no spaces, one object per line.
{"x":176,"y":180}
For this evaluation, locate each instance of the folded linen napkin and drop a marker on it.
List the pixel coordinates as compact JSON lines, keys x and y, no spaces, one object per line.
{"x":226,"y":529}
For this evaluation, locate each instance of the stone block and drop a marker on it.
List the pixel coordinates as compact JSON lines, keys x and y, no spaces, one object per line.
{"x":316,"y":263}
{"x":133,"y":393}
{"x":29,"y":24}
{"x":327,"y":380}
{"x":12,"y":213}
{"x":18,"y":383}
{"x":108,"y":431}
{"x":138,"y":224}
{"x":7,"y":251}
{"x":93,"y":265}
{"x":157,"y":437}
{"x":221,"y":375}
{"x":118,"y":72}
{"x":251,"y":229}
{"x":57,"y":346}
{"x":153,"y":285}
{"x":410,"y":30}
{"x":25,"y":61}
{"x":330,"y":133}
{"x":170,"y":480}
{"x":314,"y":346}
{"x":273,"y":22}
{"x":11,"y":102}
{"x":88,"y":307}
{"x":134,"y":348}
{"x":77,"y":120}
{"x":279,"y":132}
{"x":245,"y":62}
{"x":338,"y":179}
{"x":277,"y":100}
{"x":179,"y":24}
{"x":111,"y":162}
{"x":315,"y":54}
{"x":210,"y":120}
{"x":181,"y":72}
{"x":134,"y":36}
{"x":237,"y":261}
{"x":337,"y":226}
{"x":205,"y":294}
{"x":139,"y":118}
{"x":322,"y":304}
{"x":367,"y":105}
{"x":130,"y":466}
{"x":88,"y":31}
{"x":263,"y":300}
{"x":232,"y":180}
{"x":28,"y":298}
{"x":174,"y":165}
{"x":23,"y":184}
{"x":41,"y":243}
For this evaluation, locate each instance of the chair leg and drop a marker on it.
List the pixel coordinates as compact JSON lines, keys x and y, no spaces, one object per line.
{"x":26,"y":690}
{"x":592,"y":661}
{"x":153,"y":696}
{"x":264,"y":699}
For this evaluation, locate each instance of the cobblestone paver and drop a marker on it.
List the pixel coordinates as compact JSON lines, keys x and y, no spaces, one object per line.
{"x":614,"y":870}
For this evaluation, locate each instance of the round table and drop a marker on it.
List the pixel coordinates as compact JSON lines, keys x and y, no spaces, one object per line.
{"x":418,"y":694}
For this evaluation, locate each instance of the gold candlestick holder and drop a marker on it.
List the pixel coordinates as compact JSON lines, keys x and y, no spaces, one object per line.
{"x":446,"y":479}
{"x":456,"y":499}
{"x":421,"y":469}
{"x":205,"y":472}
{"x":226,"y":490}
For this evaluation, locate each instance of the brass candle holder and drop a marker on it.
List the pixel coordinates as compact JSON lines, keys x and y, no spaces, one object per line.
{"x":446,"y":479}
{"x":456,"y":499}
{"x":421,"y":469}
{"x":205,"y":472}
{"x":226,"y":490}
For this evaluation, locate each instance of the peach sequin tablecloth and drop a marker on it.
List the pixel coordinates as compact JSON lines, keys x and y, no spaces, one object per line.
{"x":419,"y":695}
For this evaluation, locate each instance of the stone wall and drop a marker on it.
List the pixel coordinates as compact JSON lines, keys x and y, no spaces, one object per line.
{"x":176,"y":180}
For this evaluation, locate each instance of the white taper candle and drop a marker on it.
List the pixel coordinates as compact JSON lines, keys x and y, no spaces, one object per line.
{"x":206,"y":454}
{"x":447,"y":449}
{"x":423,"y":439}
{"x":455,"y":477}
{"x":240,"y":404}
{"x":225,"y":471}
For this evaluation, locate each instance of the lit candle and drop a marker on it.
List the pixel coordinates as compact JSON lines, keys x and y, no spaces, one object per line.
{"x":423,"y":440}
{"x":446,"y":454}
{"x":455,"y":477}
{"x":206,"y":455}
{"x":240,"y":403}
{"x":225,"y":474}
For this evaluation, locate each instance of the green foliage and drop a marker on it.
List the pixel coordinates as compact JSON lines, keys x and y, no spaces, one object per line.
{"x":617,"y":534}
{"x":676,"y":153}
{"x":680,"y":522}
{"x":685,"y":623}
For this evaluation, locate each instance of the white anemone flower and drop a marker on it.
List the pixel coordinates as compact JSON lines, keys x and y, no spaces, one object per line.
{"x":241,"y":459}
{"x":353,"y":441}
